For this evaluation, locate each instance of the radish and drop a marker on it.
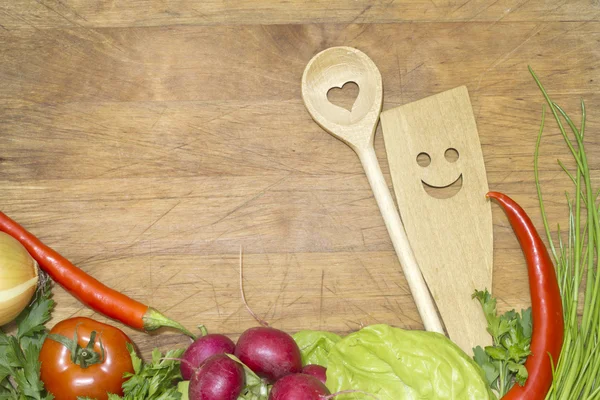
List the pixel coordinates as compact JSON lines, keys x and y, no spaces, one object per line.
{"x":218,"y":378}
{"x":203,"y":348}
{"x":318,"y":371}
{"x":299,"y":387}
{"x":269,"y":352}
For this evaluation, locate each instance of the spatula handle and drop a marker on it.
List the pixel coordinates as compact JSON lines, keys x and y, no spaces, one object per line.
{"x":407,"y":259}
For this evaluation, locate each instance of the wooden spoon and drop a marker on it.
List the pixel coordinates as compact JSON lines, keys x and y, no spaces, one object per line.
{"x":332,"y":68}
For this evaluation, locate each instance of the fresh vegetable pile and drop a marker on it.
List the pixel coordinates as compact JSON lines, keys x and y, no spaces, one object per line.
{"x":546,"y":352}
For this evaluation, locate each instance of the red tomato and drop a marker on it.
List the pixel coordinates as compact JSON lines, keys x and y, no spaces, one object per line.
{"x":67,"y":380}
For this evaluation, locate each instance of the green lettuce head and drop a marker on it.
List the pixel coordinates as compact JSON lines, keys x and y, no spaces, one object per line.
{"x":397,"y":364}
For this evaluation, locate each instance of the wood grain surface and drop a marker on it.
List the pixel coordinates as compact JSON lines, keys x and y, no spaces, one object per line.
{"x":147,"y":141}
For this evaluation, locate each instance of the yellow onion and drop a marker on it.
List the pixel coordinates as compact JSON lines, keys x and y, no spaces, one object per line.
{"x":18,"y":278}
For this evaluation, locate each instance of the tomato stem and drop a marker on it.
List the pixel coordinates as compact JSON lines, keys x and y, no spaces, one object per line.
{"x":82,"y":356}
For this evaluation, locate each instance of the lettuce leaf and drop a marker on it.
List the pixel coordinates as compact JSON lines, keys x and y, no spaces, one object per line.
{"x":315,"y":346}
{"x":395,"y":364}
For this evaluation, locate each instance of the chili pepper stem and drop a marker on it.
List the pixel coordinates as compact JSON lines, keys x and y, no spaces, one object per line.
{"x":154,"y":319}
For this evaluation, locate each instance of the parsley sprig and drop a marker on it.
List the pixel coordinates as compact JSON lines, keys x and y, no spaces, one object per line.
{"x":503,"y":362}
{"x":155,"y":380}
{"x":19,"y":353}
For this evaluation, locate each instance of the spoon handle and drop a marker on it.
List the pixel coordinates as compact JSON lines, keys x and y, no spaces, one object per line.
{"x":411,"y":270}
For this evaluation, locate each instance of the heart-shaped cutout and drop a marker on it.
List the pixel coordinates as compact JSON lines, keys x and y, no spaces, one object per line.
{"x":345,"y":96}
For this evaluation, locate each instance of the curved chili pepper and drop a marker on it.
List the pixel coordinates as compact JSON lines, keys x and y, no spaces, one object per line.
{"x":87,"y":289}
{"x":546,"y":305}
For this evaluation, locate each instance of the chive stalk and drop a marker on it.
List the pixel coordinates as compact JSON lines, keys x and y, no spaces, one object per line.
{"x":576,"y":261}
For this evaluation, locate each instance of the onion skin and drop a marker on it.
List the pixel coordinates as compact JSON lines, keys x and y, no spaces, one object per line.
{"x":18,"y":278}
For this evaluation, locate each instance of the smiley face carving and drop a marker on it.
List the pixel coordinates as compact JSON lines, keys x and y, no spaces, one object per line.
{"x":434,"y":185}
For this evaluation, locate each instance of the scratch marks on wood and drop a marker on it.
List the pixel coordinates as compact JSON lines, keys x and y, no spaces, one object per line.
{"x":490,"y":5}
{"x":511,"y":11}
{"x":321,"y":299}
{"x":159,"y":117}
{"x":182,"y":301}
{"x":537,"y":29}
{"x":355,"y":305}
{"x":249,"y":201}
{"x":216,"y":298}
{"x":20,"y":18}
{"x":63,"y":16}
{"x":398,"y":309}
{"x":360,"y":14}
{"x":154,"y":223}
{"x":400,"y":76}
{"x":461,"y":6}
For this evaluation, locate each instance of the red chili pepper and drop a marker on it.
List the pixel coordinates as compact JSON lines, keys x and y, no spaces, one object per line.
{"x":546,"y":305}
{"x":87,"y":289}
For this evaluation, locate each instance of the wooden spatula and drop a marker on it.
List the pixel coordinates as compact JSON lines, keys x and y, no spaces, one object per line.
{"x":440,"y":183}
{"x":332,"y":68}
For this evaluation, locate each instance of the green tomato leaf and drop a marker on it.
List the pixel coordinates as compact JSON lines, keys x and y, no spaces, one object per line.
{"x":395,"y":364}
{"x":315,"y":346}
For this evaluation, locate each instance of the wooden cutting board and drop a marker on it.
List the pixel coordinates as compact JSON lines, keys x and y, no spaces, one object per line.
{"x":146,"y":143}
{"x":439,"y":178}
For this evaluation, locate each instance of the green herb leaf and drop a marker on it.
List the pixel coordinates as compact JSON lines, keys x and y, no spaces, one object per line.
{"x":31,"y":321}
{"x":135,"y":360}
{"x":520,"y":372}
{"x":19,"y":354}
{"x":497,"y":353}
{"x":156,"y":380}
{"x":490,"y":369}
{"x":525,"y":322}
{"x":503,"y":362}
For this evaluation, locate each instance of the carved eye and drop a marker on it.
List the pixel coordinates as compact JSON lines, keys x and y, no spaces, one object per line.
{"x":423,"y":159}
{"x":451,"y":155}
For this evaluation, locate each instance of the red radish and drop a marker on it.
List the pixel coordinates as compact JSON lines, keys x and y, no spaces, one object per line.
{"x":298,"y":387}
{"x":269,"y":352}
{"x":318,"y":371}
{"x":219,"y":378}
{"x":203,"y":348}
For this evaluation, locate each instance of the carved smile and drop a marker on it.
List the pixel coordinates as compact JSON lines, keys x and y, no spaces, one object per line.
{"x":443,"y":192}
